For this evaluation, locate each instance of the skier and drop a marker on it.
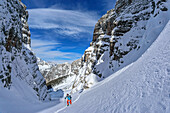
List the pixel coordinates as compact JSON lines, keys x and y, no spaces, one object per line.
{"x":68,"y":99}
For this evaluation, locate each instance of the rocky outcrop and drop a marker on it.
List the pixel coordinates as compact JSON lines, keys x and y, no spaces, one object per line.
{"x":59,"y":76}
{"x":120,"y":37}
{"x":104,"y":25}
{"x":17,"y":61}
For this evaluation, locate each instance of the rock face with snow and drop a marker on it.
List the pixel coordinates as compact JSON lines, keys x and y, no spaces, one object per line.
{"x":59,"y":76}
{"x":17,"y":61}
{"x":45,"y":67}
{"x":120,"y":37}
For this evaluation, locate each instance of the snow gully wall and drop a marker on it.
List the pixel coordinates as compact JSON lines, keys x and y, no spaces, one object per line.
{"x":17,"y":61}
{"x":120,"y":37}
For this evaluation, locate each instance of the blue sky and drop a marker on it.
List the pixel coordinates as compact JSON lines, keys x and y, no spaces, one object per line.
{"x":61,"y":30}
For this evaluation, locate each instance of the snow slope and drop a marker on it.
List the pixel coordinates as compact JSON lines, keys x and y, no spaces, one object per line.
{"x":21,"y":99}
{"x":144,"y":87}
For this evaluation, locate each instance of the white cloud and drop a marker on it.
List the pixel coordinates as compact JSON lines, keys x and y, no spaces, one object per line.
{"x":48,"y":50}
{"x":68,"y":22}
{"x":62,"y":61}
{"x":38,"y":43}
{"x":58,"y":21}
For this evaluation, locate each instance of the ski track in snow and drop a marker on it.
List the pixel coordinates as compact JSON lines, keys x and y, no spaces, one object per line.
{"x":98,"y":85}
{"x":68,"y":106}
{"x":55,"y":109}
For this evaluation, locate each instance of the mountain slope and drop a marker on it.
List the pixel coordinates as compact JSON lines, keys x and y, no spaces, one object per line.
{"x":142,"y":87}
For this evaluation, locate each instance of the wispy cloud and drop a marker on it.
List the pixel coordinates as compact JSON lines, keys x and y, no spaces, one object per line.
{"x":47,"y":50}
{"x":39,"y":43}
{"x":62,"y":30}
{"x":50,"y":25}
{"x":68,"y":22}
{"x":108,"y":4}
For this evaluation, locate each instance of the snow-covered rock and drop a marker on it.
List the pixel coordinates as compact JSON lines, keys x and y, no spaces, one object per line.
{"x":18,"y":64}
{"x":120,"y":37}
{"x":45,"y":67}
{"x":59,"y":76}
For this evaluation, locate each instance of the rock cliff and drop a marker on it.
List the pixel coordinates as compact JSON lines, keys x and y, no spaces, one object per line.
{"x":17,"y":61}
{"x":120,"y":37}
